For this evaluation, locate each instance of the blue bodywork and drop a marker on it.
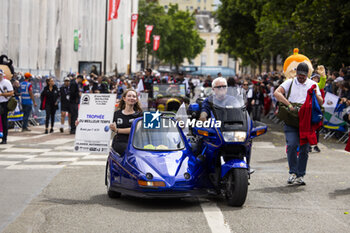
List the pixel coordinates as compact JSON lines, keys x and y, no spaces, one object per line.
{"x":171,"y":166}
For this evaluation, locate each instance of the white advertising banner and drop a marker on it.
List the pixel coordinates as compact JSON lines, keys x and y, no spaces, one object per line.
{"x":95,"y":115}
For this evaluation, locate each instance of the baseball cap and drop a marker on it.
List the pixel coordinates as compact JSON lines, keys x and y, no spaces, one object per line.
{"x":2,"y":72}
{"x":27,"y":75}
{"x":66,"y":79}
{"x":339,"y":79}
{"x":303,"y":69}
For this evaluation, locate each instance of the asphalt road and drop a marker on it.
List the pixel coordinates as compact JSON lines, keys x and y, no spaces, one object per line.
{"x":54,"y":190}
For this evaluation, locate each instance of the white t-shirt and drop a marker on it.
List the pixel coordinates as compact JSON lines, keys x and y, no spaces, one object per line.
{"x":299,"y":91}
{"x":5,"y":86}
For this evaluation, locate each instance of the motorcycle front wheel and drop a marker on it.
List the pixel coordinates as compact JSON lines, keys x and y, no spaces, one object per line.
{"x":237,"y":187}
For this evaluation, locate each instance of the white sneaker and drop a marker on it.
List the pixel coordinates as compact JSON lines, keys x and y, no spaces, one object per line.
{"x":291,"y":178}
{"x":300,"y":180}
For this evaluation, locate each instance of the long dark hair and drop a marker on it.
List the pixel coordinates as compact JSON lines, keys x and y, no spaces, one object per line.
{"x":122,"y":104}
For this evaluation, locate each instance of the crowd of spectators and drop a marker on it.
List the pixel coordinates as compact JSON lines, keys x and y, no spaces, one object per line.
{"x":259,"y":88}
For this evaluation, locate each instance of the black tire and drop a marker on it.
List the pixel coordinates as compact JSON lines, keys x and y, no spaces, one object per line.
{"x":111,"y":193}
{"x":237,"y":187}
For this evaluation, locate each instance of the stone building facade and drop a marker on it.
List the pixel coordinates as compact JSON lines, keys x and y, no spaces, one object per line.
{"x":38,"y":35}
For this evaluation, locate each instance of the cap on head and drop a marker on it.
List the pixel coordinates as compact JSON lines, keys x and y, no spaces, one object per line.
{"x":27,"y":75}
{"x":66,"y":79}
{"x":303,"y":69}
{"x":2,"y":72}
{"x":339,"y":79}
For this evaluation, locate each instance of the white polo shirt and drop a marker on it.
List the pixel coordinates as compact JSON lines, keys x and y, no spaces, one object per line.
{"x":5,"y":86}
{"x":298,"y":93}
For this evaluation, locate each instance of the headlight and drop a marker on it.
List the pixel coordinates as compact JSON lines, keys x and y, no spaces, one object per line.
{"x":234,"y":136}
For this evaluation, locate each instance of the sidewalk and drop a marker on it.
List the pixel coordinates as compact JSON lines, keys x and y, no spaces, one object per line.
{"x":37,"y":135}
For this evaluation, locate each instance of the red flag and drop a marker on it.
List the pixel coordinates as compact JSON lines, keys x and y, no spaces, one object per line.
{"x":134,"y":18}
{"x":149,"y":29}
{"x":156,"y":40}
{"x":113,"y":9}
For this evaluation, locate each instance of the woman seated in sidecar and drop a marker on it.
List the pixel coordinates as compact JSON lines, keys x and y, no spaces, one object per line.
{"x":129,"y":109}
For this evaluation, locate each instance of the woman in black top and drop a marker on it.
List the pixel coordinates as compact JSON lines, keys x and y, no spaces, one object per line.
{"x":129,"y":109}
{"x":49,"y":102}
{"x":257,"y":101}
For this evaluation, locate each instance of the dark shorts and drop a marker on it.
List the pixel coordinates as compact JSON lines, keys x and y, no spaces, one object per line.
{"x":64,"y":107}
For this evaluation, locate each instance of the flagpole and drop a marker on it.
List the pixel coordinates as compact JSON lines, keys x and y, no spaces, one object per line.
{"x":130,"y":62}
{"x":105,"y":49}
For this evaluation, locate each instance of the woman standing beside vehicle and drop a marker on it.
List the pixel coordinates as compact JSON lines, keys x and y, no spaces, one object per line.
{"x":128,"y":110}
{"x":49,"y":103}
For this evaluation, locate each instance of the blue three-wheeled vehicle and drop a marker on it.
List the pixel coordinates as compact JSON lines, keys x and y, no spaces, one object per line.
{"x":162,"y":161}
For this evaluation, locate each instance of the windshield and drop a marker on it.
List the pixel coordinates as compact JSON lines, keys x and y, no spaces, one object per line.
{"x":160,"y":90}
{"x":167,"y":137}
{"x":228,"y":106}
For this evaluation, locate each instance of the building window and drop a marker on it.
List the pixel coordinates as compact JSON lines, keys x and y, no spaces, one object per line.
{"x":198,"y":8}
{"x":186,"y":7}
{"x":165,"y":7}
{"x":212,"y":42}
{"x":203,"y":60}
{"x":191,"y":7}
{"x":199,"y":0}
{"x":220,"y":58}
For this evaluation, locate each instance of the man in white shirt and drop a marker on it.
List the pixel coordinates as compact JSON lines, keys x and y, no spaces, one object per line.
{"x":301,"y":85}
{"x":6,"y":91}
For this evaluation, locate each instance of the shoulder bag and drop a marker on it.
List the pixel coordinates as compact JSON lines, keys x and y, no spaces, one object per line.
{"x":290,"y":118}
{"x":11,"y":103}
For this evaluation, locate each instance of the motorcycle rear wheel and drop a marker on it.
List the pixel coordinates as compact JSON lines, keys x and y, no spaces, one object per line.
{"x":237,"y":187}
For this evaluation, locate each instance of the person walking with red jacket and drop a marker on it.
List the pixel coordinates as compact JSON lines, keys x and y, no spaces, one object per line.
{"x":299,"y":90}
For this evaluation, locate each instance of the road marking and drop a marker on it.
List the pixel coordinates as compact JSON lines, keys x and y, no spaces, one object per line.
{"x":88,"y":163}
{"x":15,"y":156}
{"x":15,"y":138}
{"x":34,"y":167}
{"x":8,"y":163}
{"x":53,"y":159}
{"x":342,"y":151}
{"x":57,"y":142}
{"x":69,"y":154}
{"x":215,"y":218}
{"x":69,"y":148}
{"x":265,"y":145}
{"x":39,"y":136}
{"x":26,"y":150}
{"x":102,"y":157}
{"x":2,"y":146}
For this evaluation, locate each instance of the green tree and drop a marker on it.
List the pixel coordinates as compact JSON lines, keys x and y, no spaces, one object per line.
{"x":181,"y":41}
{"x":150,"y":13}
{"x":178,"y":38}
{"x":322,"y":29}
{"x":276,"y":29}
{"x":238,"y":37}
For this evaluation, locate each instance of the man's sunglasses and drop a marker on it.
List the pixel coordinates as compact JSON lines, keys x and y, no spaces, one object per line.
{"x":219,"y":87}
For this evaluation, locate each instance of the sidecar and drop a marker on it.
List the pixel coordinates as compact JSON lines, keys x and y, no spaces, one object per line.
{"x":158,"y":162}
